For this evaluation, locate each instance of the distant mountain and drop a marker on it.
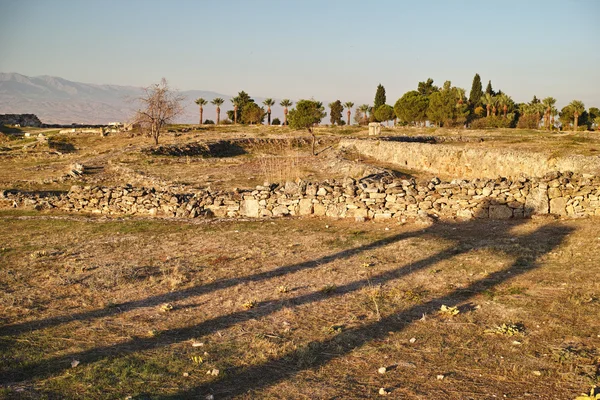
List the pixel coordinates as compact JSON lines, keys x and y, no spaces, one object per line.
{"x":59,"y":101}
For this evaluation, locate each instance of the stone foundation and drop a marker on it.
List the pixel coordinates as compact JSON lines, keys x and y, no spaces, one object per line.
{"x":378,"y":198}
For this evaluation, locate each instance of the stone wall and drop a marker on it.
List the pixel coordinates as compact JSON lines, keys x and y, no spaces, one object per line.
{"x":470,"y":163}
{"x":563,"y":194}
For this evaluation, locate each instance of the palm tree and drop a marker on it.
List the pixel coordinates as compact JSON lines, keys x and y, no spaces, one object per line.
{"x":285,"y":103}
{"x":349,"y":106}
{"x":503,"y":102}
{"x":201,"y":103}
{"x":578,"y":108}
{"x":236,"y":104}
{"x":364,"y":108}
{"x":548,"y":103}
{"x":488,"y":100}
{"x":269,"y":102}
{"x":218,"y":102}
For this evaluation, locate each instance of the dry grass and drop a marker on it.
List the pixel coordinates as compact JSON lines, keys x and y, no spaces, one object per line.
{"x":94,"y":290}
{"x":108,"y":308}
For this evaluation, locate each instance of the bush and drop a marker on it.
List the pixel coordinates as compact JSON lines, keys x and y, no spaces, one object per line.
{"x":455,"y":123}
{"x":226,"y":122}
{"x":529,"y":121}
{"x":492,"y":121}
{"x":209,"y":122}
{"x":276,"y":121}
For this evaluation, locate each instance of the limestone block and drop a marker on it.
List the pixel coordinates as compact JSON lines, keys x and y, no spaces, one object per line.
{"x":374,"y":128}
{"x":498,"y":211}
{"x":319,"y":209}
{"x":305,"y":207}
{"x":249,"y":208}
{"x":537,"y":201}
{"x":466,"y":214}
{"x":558,"y":206}
{"x":336,"y":210}
{"x":382,"y":216}
{"x":280,"y":210}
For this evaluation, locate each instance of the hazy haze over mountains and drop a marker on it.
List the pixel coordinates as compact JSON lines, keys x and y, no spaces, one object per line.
{"x":59,"y":101}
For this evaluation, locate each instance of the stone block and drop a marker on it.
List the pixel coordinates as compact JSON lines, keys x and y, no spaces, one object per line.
{"x":500,"y":211}
{"x":280,"y":210}
{"x":305,"y":207}
{"x":558,"y":206}
{"x":319,"y":209}
{"x":249,"y":208}
{"x":537,"y":201}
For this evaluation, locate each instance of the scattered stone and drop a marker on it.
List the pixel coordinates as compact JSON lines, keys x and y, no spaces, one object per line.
{"x":74,"y":363}
{"x":384,"y":391}
{"x":382,"y":370}
{"x":440,"y":377}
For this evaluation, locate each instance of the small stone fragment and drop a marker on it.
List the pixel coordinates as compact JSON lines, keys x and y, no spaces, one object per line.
{"x":384,"y":392}
{"x":382,"y":370}
{"x":197,"y":344}
{"x":412,"y":340}
{"x":186,"y":374}
{"x":537,"y":373}
{"x":74,"y":363}
{"x":440,"y":377}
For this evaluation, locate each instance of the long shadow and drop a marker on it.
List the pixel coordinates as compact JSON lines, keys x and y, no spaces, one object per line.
{"x":171,"y":336}
{"x":59,"y":364}
{"x":25,"y":327}
{"x":269,"y":373}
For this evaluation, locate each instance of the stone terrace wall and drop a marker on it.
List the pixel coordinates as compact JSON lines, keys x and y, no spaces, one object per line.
{"x":469,"y":162}
{"x":567,"y":194}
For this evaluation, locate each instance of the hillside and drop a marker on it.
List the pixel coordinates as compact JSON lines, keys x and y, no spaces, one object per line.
{"x":60,"y":101}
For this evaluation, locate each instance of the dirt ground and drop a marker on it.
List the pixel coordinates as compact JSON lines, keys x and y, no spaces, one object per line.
{"x":97,"y":307}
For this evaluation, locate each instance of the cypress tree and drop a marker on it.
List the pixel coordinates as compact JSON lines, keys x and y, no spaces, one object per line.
{"x":379,"y":97}
{"x":335,"y":115}
{"x":489,"y":89}
{"x":476,"y":91}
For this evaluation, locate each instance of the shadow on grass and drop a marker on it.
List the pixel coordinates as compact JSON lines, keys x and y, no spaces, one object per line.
{"x":237,"y":382}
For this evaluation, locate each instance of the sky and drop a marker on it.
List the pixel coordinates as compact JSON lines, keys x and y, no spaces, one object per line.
{"x":322,"y":49}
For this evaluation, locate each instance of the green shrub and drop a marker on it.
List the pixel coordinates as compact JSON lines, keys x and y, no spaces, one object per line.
{"x":492,"y":121}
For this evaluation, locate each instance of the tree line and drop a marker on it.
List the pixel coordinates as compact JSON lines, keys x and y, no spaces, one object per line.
{"x":445,"y":106}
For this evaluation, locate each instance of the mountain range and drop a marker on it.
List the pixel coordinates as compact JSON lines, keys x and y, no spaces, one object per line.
{"x":59,"y":101}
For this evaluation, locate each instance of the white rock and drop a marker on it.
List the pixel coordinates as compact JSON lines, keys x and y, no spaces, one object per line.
{"x":384,"y":392}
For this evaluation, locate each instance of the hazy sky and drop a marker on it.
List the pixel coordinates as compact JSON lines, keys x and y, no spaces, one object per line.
{"x":326,"y":49}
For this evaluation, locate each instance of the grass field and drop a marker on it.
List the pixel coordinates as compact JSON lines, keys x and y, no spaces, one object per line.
{"x":297,"y":308}
{"x":97,"y":307}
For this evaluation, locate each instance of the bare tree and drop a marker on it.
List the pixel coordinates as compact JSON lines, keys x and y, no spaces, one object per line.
{"x":160,"y":105}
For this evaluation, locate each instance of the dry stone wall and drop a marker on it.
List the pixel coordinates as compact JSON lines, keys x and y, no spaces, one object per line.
{"x":378,"y":198}
{"x":470,"y":163}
